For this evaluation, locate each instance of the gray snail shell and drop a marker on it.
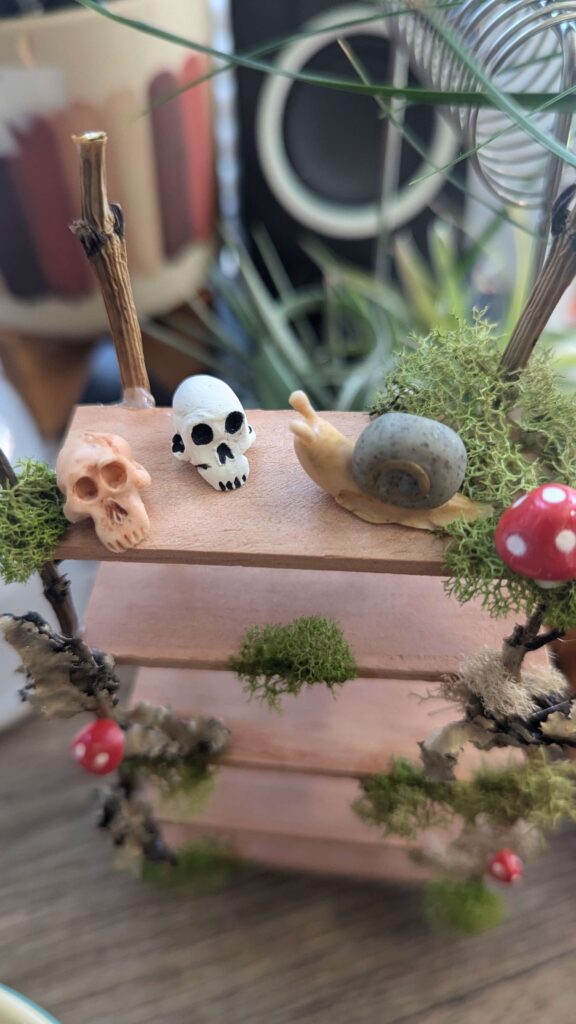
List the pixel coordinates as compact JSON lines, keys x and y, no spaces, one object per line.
{"x":409,"y":461}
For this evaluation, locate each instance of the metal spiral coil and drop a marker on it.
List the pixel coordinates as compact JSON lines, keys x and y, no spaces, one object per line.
{"x":525,"y":46}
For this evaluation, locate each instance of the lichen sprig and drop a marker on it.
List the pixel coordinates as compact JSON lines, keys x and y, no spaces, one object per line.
{"x":518,"y":433}
{"x":404,"y":801}
{"x":466,"y":906}
{"x":275,"y":660}
{"x":31,"y":521}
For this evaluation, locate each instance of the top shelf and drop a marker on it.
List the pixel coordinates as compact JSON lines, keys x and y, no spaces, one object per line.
{"x":279,"y":519}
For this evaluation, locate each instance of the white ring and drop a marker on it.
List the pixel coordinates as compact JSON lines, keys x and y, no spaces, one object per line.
{"x":337,"y":220}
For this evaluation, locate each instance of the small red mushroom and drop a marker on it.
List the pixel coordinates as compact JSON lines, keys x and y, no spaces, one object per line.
{"x":536,"y":536}
{"x":505,"y":866}
{"x":99,"y":746}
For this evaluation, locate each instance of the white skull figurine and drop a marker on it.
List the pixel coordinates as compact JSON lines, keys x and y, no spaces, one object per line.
{"x":212,"y":431}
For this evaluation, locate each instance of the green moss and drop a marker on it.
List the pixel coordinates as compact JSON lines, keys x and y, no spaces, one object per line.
{"x":518,"y":434}
{"x":185,"y":784}
{"x":466,"y":906}
{"x":203,"y":864}
{"x":31,"y":521}
{"x":275,"y":660}
{"x":538,"y":791}
{"x":404,"y":800}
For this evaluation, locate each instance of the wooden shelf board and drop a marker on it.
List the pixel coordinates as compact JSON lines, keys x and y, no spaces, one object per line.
{"x":303,"y":822}
{"x":318,"y":856}
{"x":280,"y":519}
{"x":354,"y":733}
{"x":196,"y":616}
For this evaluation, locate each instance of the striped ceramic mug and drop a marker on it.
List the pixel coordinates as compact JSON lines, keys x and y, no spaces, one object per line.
{"x":16,"y":1009}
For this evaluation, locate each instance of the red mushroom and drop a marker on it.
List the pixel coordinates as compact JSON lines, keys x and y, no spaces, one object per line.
{"x":536,"y":536}
{"x":505,"y":866}
{"x":99,"y":746}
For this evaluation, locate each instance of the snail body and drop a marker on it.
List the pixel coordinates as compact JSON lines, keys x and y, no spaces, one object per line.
{"x":402,"y":469}
{"x":409,"y":461}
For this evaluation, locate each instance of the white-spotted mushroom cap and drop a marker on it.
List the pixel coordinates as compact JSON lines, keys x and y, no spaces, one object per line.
{"x":536,"y":536}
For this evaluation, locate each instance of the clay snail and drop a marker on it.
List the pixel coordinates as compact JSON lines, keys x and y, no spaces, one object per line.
{"x":399,"y":465}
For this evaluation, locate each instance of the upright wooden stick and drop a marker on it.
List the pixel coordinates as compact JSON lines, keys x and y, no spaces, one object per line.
{"x":101,"y":232}
{"x":56,"y":587}
{"x":553,"y":280}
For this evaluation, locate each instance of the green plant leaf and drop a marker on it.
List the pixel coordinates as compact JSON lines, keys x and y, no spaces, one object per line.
{"x":491,"y":97}
{"x":508,"y":103}
{"x":414,"y":140}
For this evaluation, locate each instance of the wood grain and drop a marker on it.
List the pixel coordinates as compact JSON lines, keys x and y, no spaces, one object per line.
{"x":196,"y":616}
{"x":316,"y":855}
{"x":280,"y":519}
{"x":355,"y":732}
{"x":303,"y":822}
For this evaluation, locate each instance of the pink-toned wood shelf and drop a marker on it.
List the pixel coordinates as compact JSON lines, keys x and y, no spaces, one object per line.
{"x":196,"y":616}
{"x":280,"y":519}
{"x":301,"y":822}
{"x":216,"y":564}
{"x":355,"y":732}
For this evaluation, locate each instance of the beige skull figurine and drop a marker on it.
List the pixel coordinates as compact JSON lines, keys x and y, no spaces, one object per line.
{"x":101,"y":480}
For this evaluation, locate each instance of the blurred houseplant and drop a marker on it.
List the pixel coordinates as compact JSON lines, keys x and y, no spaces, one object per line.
{"x":338,"y":339}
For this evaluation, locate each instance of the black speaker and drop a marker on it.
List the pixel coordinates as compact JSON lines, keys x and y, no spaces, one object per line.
{"x":312,"y":159}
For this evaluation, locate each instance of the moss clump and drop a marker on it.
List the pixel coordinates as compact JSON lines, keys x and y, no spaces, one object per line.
{"x":538,"y":791}
{"x":518,"y":434}
{"x":466,"y":906}
{"x":203,"y":864}
{"x":275,"y":660}
{"x":184,"y":783}
{"x":404,"y":801}
{"x":31,"y":521}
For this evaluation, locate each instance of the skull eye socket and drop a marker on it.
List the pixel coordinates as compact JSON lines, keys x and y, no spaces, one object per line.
{"x":202,"y":434}
{"x":114,"y":475}
{"x":234,"y":421}
{"x":85,"y":488}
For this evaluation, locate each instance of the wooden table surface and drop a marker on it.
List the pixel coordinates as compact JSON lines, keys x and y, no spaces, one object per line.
{"x":97,"y":947}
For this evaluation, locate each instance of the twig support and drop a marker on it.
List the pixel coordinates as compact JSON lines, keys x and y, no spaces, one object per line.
{"x":556,"y":275}
{"x":101,"y":232}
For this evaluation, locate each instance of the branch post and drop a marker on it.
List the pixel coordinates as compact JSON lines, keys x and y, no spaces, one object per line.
{"x":55,"y":585}
{"x":101,"y":233}
{"x":555,"y":277}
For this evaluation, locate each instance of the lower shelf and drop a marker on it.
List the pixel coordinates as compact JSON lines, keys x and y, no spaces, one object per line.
{"x":301,"y":822}
{"x":284,"y":792}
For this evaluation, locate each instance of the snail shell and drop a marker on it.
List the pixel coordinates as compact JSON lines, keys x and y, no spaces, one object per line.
{"x":409,"y":461}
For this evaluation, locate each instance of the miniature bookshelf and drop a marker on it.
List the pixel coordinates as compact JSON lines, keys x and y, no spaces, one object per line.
{"x":179,"y":604}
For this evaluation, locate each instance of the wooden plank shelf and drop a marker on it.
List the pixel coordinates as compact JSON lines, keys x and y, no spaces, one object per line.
{"x":280,"y":519}
{"x":355,"y":732}
{"x":196,"y":616}
{"x":300,"y":822}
